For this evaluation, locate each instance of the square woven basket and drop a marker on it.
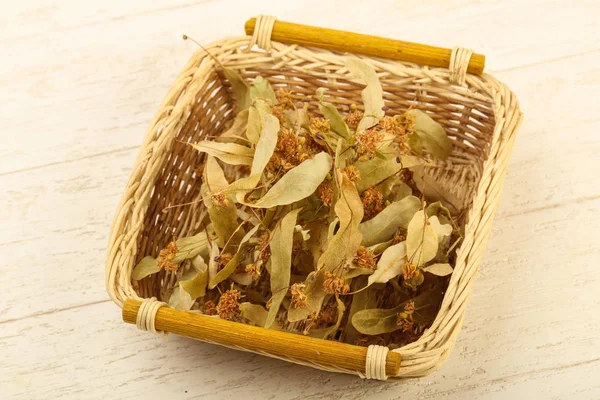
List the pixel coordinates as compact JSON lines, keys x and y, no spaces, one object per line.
{"x":480,"y":115}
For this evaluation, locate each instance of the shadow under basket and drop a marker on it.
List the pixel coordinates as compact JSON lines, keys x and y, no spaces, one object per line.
{"x":480,"y":115}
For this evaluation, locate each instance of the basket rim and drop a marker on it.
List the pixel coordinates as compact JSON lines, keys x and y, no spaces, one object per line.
{"x":429,"y":351}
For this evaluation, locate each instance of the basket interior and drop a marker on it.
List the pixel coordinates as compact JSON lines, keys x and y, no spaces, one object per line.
{"x":466,"y":115}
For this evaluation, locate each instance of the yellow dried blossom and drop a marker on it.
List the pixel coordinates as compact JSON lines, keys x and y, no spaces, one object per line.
{"x":325,"y":193}
{"x":352,"y":173}
{"x":368,"y":143}
{"x":365,"y":258}
{"x":166,"y":256}
{"x":372,"y":201}
{"x":354,"y":117}
{"x":299,"y":298}
{"x":409,"y":271}
{"x":229,"y":307}
{"x":334,"y":284}
{"x":253,"y":270}
{"x":285,"y":98}
{"x":210,"y":308}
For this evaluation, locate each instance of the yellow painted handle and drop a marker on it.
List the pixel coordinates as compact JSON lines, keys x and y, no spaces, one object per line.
{"x":282,"y":344}
{"x":331,"y":39}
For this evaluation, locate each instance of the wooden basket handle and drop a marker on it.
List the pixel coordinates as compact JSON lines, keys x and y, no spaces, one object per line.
{"x":325,"y":353}
{"x":331,"y":39}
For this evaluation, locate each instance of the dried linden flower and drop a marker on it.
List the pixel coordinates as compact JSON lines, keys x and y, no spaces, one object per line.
{"x":372,"y":201}
{"x":166,"y":256}
{"x":285,"y":98}
{"x":253,"y":270}
{"x":352,"y":173}
{"x":210,"y":308}
{"x":365,"y":258}
{"x":265,"y":249}
{"x":229,"y":307}
{"x":334,"y":284}
{"x":299,"y":298}
{"x":409,"y":271}
{"x":325,"y":193}
{"x":354,"y":117}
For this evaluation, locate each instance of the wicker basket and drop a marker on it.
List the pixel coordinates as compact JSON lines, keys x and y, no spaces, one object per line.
{"x":480,"y":114}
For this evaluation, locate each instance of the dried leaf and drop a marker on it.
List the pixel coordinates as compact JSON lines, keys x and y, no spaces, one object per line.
{"x":281,"y":262}
{"x":390,"y":264}
{"x":256,"y":114}
{"x":331,"y":114}
{"x":180,"y":299}
{"x":298,"y":183}
{"x":213,"y":265}
{"x":241,"y":90}
{"x":242,"y":278}
{"x":265,"y":145}
{"x":264,"y":150}
{"x":235,"y":260}
{"x":261,"y":88}
{"x":146,"y":266}
{"x":196,"y":287}
{"x":439,"y":269}
{"x":230,"y":153}
{"x":238,"y":128}
{"x":254,"y":313}
{"x":191,"y":246}
{"x":324,"y":333}
{"x":442,"y":230}
{"x":376,"y":170}
{"x":429,"y":136}
{"x":303,"y":232}
{"x":361,"y":300}
{"x":315,"y":295}
{"x":372,"y":95}
{"x":421,"y":240}
{"x":385,"y":224}
{"x":375,"y":321}
{"x":344,"y":244}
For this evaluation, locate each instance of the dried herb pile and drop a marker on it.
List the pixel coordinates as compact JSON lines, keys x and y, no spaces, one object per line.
{"x":313,"y":222}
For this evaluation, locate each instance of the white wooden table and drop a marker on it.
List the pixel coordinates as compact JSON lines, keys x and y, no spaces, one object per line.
{"x":80,"y":81}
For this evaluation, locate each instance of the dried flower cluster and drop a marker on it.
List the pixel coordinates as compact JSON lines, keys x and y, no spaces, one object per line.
{"x":314,"y":219}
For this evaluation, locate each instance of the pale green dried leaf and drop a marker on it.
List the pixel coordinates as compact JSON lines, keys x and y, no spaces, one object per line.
{"x":180,"y":299}
{"x":376,"y":170}
{"x":355,"y":271}
{"x":230,"y":153}
{"x":242,"y":278}
{"x":146,"y":266}
{"x":432,"y":137}
{"x":223,"y":217}
{"x":344,"y":244}
{"x":331,"y":114}
{"x":191,"y":246}
{"x":281,"y":262}
{"x":298,"y":183}
{"x":238,"y":128}
{"x":324,"y":333}
{"x":372,"y":95}
{"x":254,"y":313}
{"x":265,"y":145}
{"x":390,"y":264}
{"x":421,"y":240}
{"x":439,"y":269}
{"x":375,"y":321}
{"x":233,"y":263}
{"x":315,"y":295}
{"x":261,"y":88}
{"x":442,"y":230}
{"x":241,"y":90}
{"x":384,"y":225}
{"x":196,"y":287}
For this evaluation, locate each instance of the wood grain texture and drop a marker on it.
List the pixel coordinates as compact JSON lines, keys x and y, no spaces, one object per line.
{"x":82,"y":83}
{"x":333,"y":39}
{"x":281,"y":344}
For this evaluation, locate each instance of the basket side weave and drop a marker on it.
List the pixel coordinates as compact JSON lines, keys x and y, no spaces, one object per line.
{"x":482,"y":116}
